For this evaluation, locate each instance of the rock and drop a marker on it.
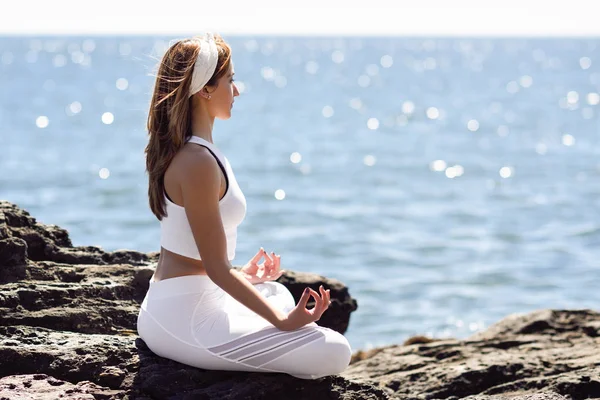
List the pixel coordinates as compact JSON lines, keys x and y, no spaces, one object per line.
{"x":42,"y":386}
{"x":67,"y":330}
{"x":554,"y":351}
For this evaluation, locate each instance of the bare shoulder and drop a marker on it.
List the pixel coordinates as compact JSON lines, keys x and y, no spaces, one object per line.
{"x":194,"y":164}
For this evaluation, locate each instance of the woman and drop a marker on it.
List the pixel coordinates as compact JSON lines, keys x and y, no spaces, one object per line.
{"x":199,"y":310}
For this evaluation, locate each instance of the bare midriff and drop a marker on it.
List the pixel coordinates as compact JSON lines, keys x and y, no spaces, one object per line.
{"x":171,"y":265}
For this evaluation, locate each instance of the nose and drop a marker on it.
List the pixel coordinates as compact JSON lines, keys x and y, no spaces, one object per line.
{"x":236,"y":92}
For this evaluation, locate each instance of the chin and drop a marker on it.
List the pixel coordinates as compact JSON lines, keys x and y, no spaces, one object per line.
{"x":225,"y":116}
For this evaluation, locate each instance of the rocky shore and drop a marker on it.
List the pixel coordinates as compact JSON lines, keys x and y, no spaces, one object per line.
{"x":68,"y":331}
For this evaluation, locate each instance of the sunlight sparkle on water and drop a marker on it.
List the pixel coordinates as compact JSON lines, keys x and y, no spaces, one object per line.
{"x":386,"y":61}
{"x":280,"y":81}
{"x":369,"y":160}
{"x":364,"y":81}
{"x":59,"y":61}
{"x":88,"y":45}
{"x":372,"y":69}
{"x":42,"y":121}
{"x":408,"y":107}
{"x":312,"y":67}
{"x":572,"y":97}
{"x":568,"y":140}
{"x":251,"y":45}
{"x":506,"y":172}
{"x":267,"y":73}
{"x":327,"y":111}
{"x":108,"y":118}
{"x":473,"y":125}
{"x":526,"y":81}
{"x":104,"y":173}
{"x":373,"y":123}
{"x":455,"y":171}
{"x":122,"y":84}
{"x":541,"y":149}
{"x":74,"y":108}
{"x":512,"y":87}
{"x":356,"y":103}
{"x":305,"y":169}
{"x":593,"y":99}
{"x":77,"y":57}
{"x":280,"y":194}
{"x":295,"y":157}
{"x":337,"y":57}
{"x":585,"y":62}
{"x":502,"y":130}
{"x":450,"y":173}
{"x":438,"y":165}
{"x":433,"y":113}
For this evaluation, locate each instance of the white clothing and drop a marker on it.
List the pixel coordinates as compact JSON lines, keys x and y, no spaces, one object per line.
{"x":175,"y":231}
{"x":192,"y":320}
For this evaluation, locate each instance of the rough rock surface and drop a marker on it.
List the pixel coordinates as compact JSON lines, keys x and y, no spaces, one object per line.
{"x":67,"y":330}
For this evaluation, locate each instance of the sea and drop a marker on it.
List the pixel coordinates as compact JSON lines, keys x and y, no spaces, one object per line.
{"x":447,"y":181}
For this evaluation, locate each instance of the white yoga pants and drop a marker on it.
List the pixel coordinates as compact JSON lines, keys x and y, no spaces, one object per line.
{"x":191,"y":320}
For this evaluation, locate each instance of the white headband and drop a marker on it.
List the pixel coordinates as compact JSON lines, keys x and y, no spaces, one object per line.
{"x":206,"y":63}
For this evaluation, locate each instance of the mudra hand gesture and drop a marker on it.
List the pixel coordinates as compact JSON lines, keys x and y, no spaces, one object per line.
{"x":266,"y":271}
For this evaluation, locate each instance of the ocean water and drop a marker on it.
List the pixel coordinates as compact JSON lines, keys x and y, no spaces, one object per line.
{"x":448,"y":182}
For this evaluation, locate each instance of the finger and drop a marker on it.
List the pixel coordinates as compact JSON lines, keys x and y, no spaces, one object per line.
{"x":268,"y":259}
{"x":275,"y":276}
{"x":304,"y":298}
{"x":277,"y":260}
{"x":318,"y":299}
{"x":258,"y":256}
{"x":274,"y":266}
{"x":324,"y":295}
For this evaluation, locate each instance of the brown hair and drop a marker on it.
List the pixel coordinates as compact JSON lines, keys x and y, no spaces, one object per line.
{"x":169,"y":118}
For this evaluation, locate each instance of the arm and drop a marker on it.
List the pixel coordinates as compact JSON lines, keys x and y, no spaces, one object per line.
{"x":200,"y":187}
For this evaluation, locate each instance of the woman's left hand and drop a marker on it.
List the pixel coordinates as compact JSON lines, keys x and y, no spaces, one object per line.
{"x":267,"y":271}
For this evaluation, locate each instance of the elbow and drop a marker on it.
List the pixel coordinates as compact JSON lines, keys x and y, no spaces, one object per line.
{"x":217,"y":271}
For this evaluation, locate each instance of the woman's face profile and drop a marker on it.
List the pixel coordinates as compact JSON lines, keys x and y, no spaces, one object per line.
{"x":223,"y":95}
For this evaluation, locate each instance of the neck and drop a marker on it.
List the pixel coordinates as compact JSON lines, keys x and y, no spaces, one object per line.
{"x":202,"y":123}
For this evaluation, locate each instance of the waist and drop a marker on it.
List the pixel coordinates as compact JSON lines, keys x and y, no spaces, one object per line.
{"x":181,"y":285}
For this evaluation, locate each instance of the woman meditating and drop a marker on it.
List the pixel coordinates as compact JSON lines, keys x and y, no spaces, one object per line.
{"x":199,"y":310}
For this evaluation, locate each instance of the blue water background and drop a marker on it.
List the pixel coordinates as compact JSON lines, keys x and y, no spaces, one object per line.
{"x":448,"y":182}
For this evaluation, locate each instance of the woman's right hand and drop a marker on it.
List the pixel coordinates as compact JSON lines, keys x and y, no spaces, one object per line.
{"x":300,"y":315}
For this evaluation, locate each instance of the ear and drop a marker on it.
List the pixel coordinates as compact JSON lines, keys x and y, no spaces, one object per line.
{"x":205,"y":93}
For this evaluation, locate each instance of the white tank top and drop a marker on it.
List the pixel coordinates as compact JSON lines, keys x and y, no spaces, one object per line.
{"x":175,"y":232}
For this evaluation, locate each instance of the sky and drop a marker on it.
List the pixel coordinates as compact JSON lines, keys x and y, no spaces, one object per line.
{"x":303,"y":17}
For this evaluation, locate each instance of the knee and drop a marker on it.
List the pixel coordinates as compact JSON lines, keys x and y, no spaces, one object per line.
{"x":270,"y":287}
{"x":335,"y":355}
{"x":276,"y":287}
{"x":327,"y":355}
{"x":340,"y":355}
